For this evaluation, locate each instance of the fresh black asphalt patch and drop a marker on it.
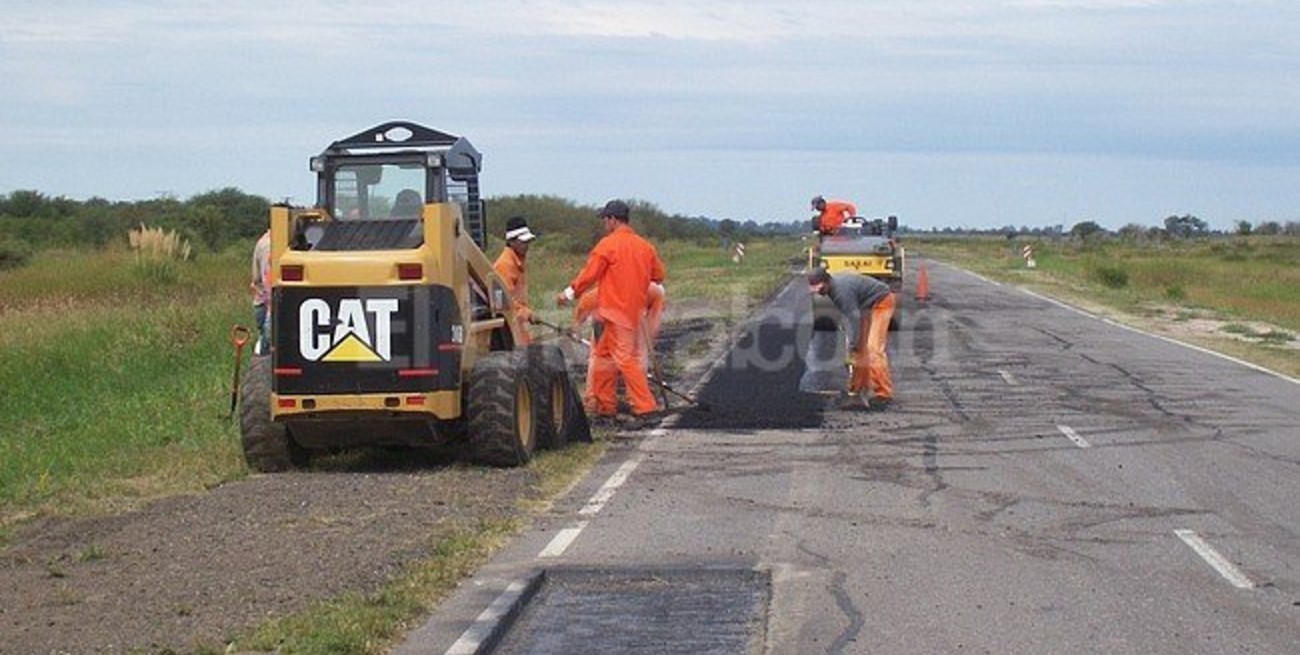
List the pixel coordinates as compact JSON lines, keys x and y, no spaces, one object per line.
{"x":687,"y":611}
{"x":757,"y":387}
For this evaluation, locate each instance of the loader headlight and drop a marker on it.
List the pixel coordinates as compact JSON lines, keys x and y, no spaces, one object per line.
{"x":317,"y":164}
{"x":435,"y":160}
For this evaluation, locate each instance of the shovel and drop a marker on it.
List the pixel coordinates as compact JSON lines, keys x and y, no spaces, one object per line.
{"x":238,"y":338}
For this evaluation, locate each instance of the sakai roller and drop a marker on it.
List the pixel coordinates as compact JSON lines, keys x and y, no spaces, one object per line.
{"x":867,"y":247}
{"x":388,"y":324}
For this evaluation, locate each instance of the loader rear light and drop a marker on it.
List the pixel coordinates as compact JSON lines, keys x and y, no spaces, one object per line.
{"x":415,"y":400}
{"x":417,"y":373}
{"x":288,"y":372}
{"x":291,"y":273}
{"x":287,"y":403}
{"x":410,"y":271}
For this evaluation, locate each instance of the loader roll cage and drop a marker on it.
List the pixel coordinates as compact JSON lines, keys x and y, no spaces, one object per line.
{"x":440,"y":167}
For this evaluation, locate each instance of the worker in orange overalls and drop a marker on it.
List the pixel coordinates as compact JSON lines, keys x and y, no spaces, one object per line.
{"x":511,"y":266}
{"x":623,"y":264}
{"x":586,"y":309}
{"x":831,"y":214}
{"x":867,"y":305}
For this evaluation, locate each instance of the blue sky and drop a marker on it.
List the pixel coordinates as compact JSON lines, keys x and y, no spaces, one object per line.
{"x":943,"y":112}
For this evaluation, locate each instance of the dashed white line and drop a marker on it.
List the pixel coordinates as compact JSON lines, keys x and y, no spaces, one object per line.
{"x":1073,"y":436}
{"x":1215,"y":559}
{"x":565,"y":538}
{"x":472,"y":640}
{"x":562,"y":540}
{"x":1008,"y":378}
{"x":611,"y":485}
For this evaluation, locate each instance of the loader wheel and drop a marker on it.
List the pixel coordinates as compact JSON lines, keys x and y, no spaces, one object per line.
{"x":268,"y":446}
{"x":502,"y":412}
{"x":561,"y":418}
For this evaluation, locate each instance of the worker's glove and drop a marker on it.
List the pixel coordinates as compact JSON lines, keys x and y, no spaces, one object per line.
{"x":565,"y":297}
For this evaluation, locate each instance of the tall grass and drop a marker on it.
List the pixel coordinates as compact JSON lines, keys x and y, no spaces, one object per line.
{"x":114,"y":387}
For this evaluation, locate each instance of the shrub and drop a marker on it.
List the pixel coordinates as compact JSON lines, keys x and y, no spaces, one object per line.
{"x":1175,"y":292}
{"x":14,"y":253}
{"x":1114,"y":277}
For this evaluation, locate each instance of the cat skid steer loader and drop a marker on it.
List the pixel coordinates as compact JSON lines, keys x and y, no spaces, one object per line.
{"x":388,"y":324}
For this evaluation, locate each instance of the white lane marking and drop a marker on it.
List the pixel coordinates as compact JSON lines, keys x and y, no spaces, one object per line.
{"x":611,"y":485}
{"x":562,"y":541}
{"x":565,"y":538}
{"x":1215,"y":559}
{"x":1073,"y":436}
{"x":1008,"y":378}
{"x":980,"y":277}
{"x":1199,"y":349}
{"x":478,"y":632}
{"x":658,"y":432}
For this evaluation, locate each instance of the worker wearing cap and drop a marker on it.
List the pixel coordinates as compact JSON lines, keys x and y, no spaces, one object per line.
{"x":867,"y":305}
{"x":623,"y":264}
{"x":511,"y":266}
{"x":831,"y":214}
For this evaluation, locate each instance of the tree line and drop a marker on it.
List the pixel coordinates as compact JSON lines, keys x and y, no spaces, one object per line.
{"x":211,"y":221}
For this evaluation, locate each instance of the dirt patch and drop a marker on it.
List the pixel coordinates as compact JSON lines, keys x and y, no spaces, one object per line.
{"x":1184,"y":323}
{"x":193,"y":572}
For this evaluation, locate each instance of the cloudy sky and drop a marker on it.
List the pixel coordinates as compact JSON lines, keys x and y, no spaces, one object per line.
{"x":943,"y":112}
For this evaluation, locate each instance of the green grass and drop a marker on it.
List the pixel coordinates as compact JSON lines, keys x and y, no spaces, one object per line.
{"x":1235,"y":279}
{"x":115,"y":390}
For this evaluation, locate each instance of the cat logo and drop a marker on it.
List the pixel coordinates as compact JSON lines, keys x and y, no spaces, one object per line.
{"x":362,"y":330}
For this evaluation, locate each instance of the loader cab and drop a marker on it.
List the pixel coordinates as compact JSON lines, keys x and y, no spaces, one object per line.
{"x":381,"y":179}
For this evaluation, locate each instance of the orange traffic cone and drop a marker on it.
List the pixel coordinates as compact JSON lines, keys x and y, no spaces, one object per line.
{"x":922,"y":284}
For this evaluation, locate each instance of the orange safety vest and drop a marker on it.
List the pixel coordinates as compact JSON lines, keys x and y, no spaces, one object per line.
{"x":511,"y":269}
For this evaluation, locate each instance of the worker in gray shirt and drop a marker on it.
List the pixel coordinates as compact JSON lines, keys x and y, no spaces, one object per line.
{"x":867,"y":305}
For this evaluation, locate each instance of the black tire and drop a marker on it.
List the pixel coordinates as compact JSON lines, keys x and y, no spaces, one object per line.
{"x":549,"y":375}
{"x":579,"y":425}
{"x":268,"y":446}
{"x":502,"y":413}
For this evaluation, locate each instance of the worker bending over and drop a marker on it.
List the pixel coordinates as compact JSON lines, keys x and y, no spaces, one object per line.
{"x":511,"y":265}
{"x":831,"y":214}
{"x":623,"y":265}
{"x":867,"y":305}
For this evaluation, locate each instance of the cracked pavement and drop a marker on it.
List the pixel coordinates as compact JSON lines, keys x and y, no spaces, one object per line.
{"x":965,"y":517}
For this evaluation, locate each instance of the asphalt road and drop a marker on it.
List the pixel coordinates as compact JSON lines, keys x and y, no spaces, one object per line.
{"x":1046,"y":482}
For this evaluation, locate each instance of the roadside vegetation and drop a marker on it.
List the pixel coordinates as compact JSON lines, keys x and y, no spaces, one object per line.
{"x":1239,"y":294}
